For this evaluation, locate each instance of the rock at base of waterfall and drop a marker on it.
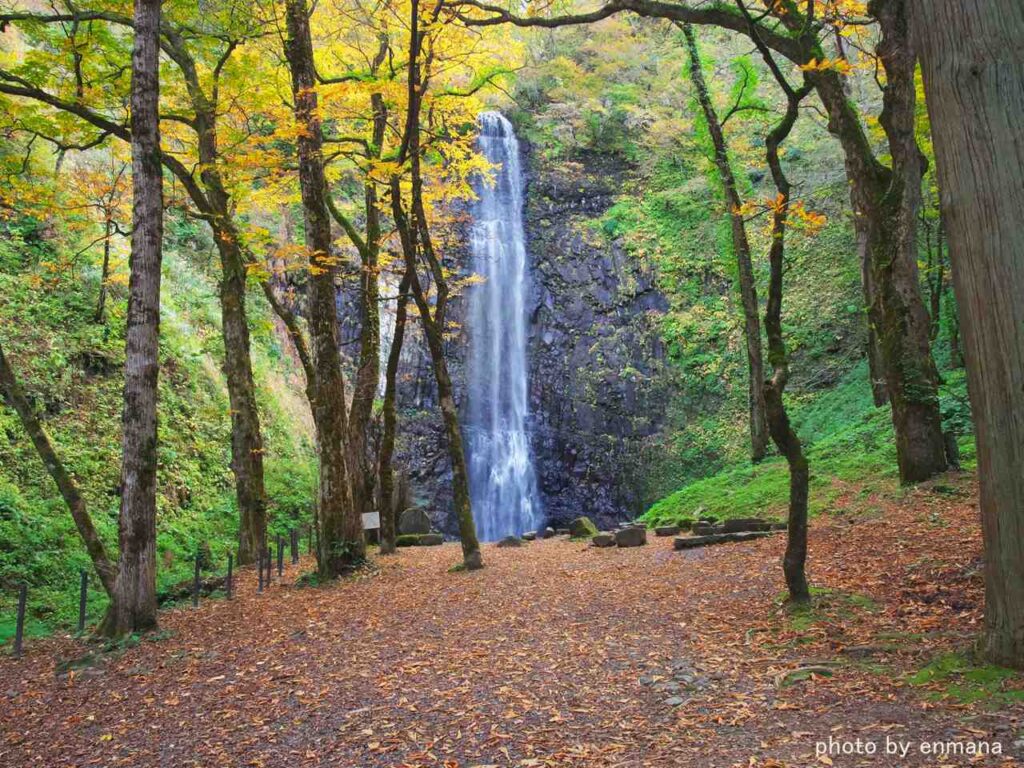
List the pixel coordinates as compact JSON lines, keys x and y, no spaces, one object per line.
{"x":414,"y":520}
{"x":546,"y":533}
{"x":510,"y":541}
{"x":582,"y":528}
{"x":666,"y":530}
{"x":602,"y":540}
{"x":529,"y":536}
{"x":431,"y":539}
{"x":634,"y":536}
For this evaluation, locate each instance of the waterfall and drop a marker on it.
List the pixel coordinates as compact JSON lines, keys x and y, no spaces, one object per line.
{"x":502,"y":480}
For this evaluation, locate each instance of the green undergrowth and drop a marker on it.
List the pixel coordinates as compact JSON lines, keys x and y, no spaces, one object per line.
{"x":71,"y":369}
{"x":850,"y":448}
{"x":964,"y":680}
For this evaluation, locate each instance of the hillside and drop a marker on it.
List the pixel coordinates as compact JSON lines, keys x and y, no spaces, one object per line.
{"x":71,"y":368}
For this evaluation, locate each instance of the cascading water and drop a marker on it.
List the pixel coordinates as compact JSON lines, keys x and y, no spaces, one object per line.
{"x":502,"y":481}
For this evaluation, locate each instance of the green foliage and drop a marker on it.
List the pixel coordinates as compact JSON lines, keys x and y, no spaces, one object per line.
{"x":959,"y":677}
{"x":70,"y":368}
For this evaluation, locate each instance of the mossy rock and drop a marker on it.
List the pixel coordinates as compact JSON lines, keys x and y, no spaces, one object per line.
{"x":407,"y":540}
{"x":582,"y":528}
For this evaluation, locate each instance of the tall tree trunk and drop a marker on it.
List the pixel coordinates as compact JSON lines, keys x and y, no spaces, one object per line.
{"x":876,"y":365}
{"x":133,"y":608}
{"x":246,"y":436}
{"x":341,"y":543}
{"x":101,"y":301}
{"x":885,"y":203}
{"x":741,"y":246}
{"x":973,"y":65}
{"x":105,"y":569}
{"x":386,"y":469}
{"x":364,"y":391}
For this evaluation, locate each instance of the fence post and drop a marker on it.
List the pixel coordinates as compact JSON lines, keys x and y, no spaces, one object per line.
{"x":227,"y":582}
{"x":268,"y":563}
{"x":259,"y":570}
{"x":19,"y":629}
{"x":294,"y":536}
{"x":280,"y":557}
{"x":82,"y":594}
{"x":195,"y":583}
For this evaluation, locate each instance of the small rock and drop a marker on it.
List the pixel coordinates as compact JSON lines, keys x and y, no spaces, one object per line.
{"x":582,"y":528}
{"x":510,"y":541}
{"x":547,"y":533}
{"x":666,"y":530}
{"x":674,"y":701}
{"x":431,"y":539}
{"x":631,"y":537}
{"x":603,"y":540}
{"x":414,"y":520}
{"x":669,"y":687}
{"x":646,"y":680}
{"x":529,"y":536}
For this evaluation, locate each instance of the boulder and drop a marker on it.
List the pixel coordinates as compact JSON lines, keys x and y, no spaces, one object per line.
{"x":706,"y":529}
{"x":510,"y":541}
{"x":602,"y":540}
{"x":431,"y":539}
{"x":634,"y":536}
{"x":738,"y":524}
{"x":529,"y":536}
{"x":546,"y":533}
{"x":692,"y":542}
{"x":582,"y":528}
{"x":666,"y":530}
{"x":407,"y":540}
{"x":414,"y":520}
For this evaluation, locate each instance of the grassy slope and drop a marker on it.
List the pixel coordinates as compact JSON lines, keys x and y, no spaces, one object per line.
{"x":71,"y":368}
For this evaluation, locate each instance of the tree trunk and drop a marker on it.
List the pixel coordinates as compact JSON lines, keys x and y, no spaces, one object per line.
{"x":341,"y":543}
{"x":133,"y":608}
{"x":105,"y":569}
{"x":876,"y":365}
{"x":368,"y":376}
{"x":386,"y":470}
{"x":246,"y":436}
{"x":973,"y":66}
{"x":741,"y":246}
{"x":885,"y":203}
{"x":101,"y":301}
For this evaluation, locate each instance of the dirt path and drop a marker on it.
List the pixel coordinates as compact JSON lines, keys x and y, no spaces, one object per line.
{"x":555,"y":654}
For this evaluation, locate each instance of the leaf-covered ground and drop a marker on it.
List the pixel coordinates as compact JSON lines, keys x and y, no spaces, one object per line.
{"x":555,"y":654}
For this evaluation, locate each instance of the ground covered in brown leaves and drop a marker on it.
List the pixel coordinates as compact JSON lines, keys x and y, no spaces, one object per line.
{"x":556,"y":654}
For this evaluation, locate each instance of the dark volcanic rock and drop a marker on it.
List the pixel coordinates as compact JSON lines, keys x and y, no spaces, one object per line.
{"x":510,"y":541}
{"x":666,"y":530}
{"x":603,"y":540}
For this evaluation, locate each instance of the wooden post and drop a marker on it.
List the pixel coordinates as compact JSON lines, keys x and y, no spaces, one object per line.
{"x":269,"y":564}
{"x":259,"y":570}
{"x":227,"y":582}
{"x":19,"y":629}
{"x":195,"y":582}
{"x":280,"y":556}
{"x":82,"y":594}
{"x":294,"y":535}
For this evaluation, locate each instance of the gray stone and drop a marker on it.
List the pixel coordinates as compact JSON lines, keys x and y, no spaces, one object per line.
{"x":692,"y":542}
{"x":739,"y":524}
{"x":414,"y":520}
{"x":674,"y":701}
{"x":529,"y":536}
{"x":546,"y":533}
{"x":631,"y":537}
{"x":706,"y":529}
{"x":510,"y":541}
{"x":431,"y":539}
{"x":666,"y":530}
{"x":582,"y":527}
{"x":602,"y":540}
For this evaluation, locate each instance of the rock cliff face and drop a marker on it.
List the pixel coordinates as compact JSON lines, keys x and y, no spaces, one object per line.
{"x":597,"y":384}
